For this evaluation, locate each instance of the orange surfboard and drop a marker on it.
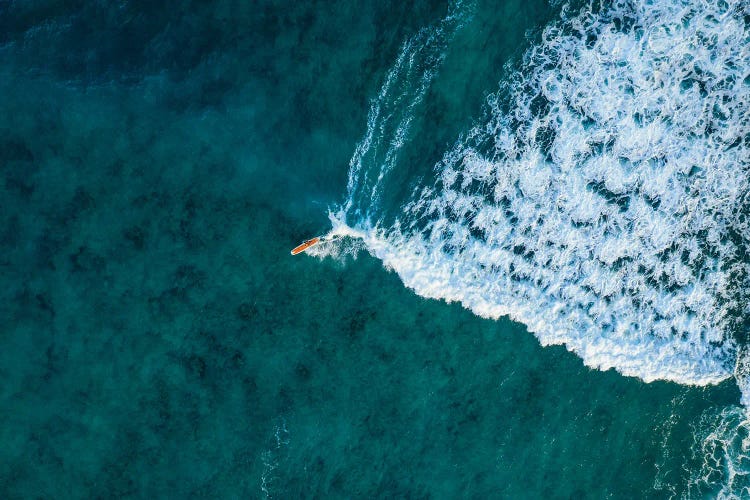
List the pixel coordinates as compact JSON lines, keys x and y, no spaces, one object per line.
{"x":304,"y":246}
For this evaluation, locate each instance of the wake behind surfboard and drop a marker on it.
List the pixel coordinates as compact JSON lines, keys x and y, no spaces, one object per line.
{"x":340,"y":230}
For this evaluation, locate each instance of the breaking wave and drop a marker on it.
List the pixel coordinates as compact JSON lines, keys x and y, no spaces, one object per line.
{"x":602,"y":201}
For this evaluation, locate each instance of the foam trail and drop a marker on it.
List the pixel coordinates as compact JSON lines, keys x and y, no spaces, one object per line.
{"x":603,"y":202}
{"x":341,"y":241}
{"x":392,"y":111}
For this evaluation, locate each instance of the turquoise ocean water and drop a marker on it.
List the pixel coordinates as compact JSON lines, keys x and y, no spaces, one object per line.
{"x":538,"y":289}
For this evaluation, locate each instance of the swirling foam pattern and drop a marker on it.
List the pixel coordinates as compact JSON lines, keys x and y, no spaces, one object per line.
{"x":722,"y":444}
{"x":603,"y":201}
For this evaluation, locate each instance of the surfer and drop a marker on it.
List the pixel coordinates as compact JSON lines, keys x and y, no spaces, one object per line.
{"x":305,"y":245}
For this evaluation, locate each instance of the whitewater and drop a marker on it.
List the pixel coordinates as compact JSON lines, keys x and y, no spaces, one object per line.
{"x":603,"y":199}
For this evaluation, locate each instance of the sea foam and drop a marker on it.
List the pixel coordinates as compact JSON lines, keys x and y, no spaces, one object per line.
{"x":603,"y":201}
{"x":392,"y":111}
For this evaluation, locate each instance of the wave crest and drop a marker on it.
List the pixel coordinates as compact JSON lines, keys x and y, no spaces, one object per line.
{"x":604,"y":201}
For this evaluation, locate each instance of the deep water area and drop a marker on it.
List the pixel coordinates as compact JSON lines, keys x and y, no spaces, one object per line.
{"x":158,"y":160}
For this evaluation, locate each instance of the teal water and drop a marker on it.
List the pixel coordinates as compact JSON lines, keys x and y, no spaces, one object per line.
{"x":159,"y":163}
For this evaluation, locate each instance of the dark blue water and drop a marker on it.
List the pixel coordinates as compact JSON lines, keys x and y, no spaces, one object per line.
{"x":158,"y":162}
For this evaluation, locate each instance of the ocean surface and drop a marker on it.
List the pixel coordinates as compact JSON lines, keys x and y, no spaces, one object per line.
{"x":537,"y":283}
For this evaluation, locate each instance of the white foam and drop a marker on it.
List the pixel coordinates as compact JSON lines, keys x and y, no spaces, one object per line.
{"x":605,"y":211}
{"x":341,"y":242}
{"x":271,"y":458}
{"x":392,"y":111}
{"x":722,"y":444}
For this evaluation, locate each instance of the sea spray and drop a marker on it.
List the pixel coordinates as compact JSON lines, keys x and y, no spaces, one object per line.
{"x":341,"y":242}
